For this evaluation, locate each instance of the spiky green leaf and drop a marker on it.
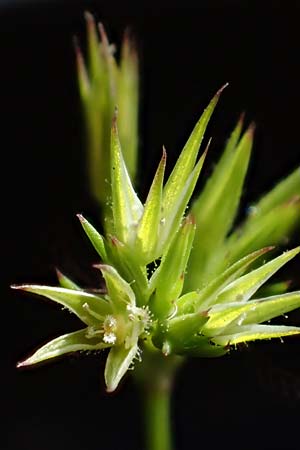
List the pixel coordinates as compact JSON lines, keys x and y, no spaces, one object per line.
{"x":246,"y":333}
{"x":119,"y":291}
{"x":126,"y":206}
{"x":167,"y":281}
{"x":68,"y":343}
{"x":148,"y":229}
{"x":95,"y":238}
{"x":89,"y":308}
{"x":244,"y":287}
{"x":66,"y":282}
{"x":202,"y":299}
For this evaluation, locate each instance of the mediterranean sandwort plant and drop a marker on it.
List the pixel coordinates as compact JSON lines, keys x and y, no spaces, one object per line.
{"x":177,"y":284}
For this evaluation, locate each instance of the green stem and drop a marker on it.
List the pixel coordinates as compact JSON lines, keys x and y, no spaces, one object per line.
{"x":156,"y":379}
{"x":157,"y":399}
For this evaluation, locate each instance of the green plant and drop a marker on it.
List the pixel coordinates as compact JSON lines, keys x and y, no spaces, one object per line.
{"x":177,"y":285}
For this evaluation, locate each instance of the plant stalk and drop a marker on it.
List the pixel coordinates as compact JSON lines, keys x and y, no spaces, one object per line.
{"x":156,"y":380}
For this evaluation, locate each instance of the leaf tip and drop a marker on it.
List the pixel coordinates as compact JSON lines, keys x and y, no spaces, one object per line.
{"x":219,"y":92}
{"x":21,"y":287}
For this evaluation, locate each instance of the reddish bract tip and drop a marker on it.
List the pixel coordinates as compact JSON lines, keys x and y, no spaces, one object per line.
{"x":90,"y":21}
{"x":103,"y":35}
{"x":190,"y":220}
{"x":251,"y":129}
{"x":22,"y":287}
{"x":21,"y":364}
{"x":115,"y":241}
{"x":293,"y":200}
{"x":164,"y":153}
{"x":81,"y":218}
{"x":58,"y":274}
{"x":219,"y":92}
{"x":206,"y":148}
{"x":241,"y":119}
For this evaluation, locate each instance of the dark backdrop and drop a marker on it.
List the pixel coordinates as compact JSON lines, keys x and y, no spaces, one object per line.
{"x":250,"y":400}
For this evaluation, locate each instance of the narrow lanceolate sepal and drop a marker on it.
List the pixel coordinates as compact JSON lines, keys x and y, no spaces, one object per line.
{"x":68,"y":343}
{"x":66,"y":282}
{"x":222,"y":316}
{"x":173,"y":213}
{"x":244,"y":287}
{"x":246,"y":333}
{"x":167,"y":281}
{"x":95,"y":238}
{"x":118,"y":362}
{"x":188,"y":156}
{"x":81,"y":303}
{"x":203,"y":298}
{"x":126,"y":206}
{"x":148,"y":230}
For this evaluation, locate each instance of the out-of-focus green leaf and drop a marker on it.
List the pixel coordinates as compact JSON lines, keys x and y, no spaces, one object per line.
{"x":269,"y":289}
{"x":67,"y":343}
{"x":78,"y":302}
{"x":127,"y":101}
{"x":215,"y":209}
{"x":283,"y":192}
{"x":271,"y":228}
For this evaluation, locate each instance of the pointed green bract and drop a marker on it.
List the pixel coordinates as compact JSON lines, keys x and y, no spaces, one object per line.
{"x":78,"y":302}
{"x":244,"y":287}
{"x":126,"y":206}
{"x":188,"y":156}
{"x":66,"y":282}
{"x":118,"y":289}
{"x":128,"y":266}
{"x":148,"y":229}
{"x":247,"y":333}
{"x":68,"y":343}
{"x":167,"y":281}
{"x":95,"y":238}
{"x":172,"y":217}
{"x":118,"y":362}
{"x":255,"y":311}
{"x":206,"y":296}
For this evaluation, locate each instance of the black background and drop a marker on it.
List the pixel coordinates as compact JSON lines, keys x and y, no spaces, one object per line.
{"x":188,"y":50}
